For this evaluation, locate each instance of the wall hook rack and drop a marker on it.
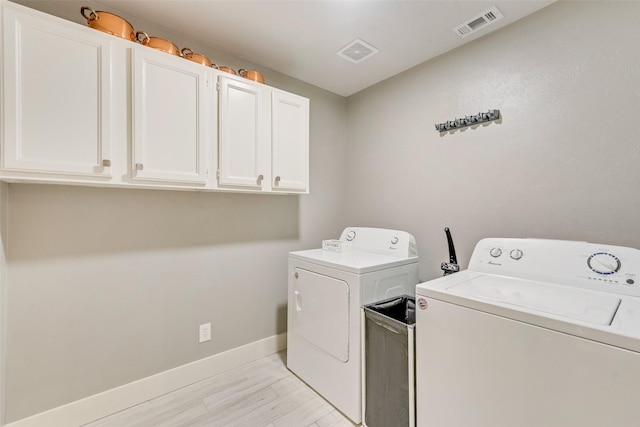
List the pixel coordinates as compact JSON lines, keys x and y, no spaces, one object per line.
{"x":462,"y":122}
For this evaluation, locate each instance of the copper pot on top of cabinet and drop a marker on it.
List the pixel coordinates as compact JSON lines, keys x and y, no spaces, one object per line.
{"x":108,"y":23}
{"x":195,"y":57}
{"x":157,"y":43}
{"x":225,"y":69}
{"x":254,"y":75}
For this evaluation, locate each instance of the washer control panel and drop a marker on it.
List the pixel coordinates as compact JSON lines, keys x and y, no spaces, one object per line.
{"x":581,"y":264}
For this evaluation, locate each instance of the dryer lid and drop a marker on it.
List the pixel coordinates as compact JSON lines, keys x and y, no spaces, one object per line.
{"x":355,"y":261}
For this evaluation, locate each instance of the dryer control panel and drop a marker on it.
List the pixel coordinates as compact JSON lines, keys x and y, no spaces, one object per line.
{"x":587,"y":265}
{"x":381,"y":241}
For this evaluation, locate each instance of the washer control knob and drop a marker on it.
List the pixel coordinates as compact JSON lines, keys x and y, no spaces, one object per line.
{"x":604,"y":263}
{"x":351,"y":235}
{"x":495,"y":252}
{"x":516,"y":254}
{"x":394,"y":240}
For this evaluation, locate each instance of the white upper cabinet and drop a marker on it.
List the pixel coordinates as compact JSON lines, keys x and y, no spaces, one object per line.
{"x":57,"y":94}
{"x":290,"y":142}
{"x":80,"y":106}
{"x":242,"y":135}
{"x":263,"y":138}
{"x":172,"y":118}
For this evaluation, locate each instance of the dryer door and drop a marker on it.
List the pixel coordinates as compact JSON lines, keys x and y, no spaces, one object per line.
{"x":321,"y":312}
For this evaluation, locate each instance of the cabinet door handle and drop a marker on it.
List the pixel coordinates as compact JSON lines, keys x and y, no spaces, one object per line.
{"x":139,"y":166}
{"x":260,"y":178}
{"x":106,"y":163}
{"x":277,"y":180}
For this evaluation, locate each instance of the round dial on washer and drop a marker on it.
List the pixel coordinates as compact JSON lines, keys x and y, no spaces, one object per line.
{"x":495,"y":252}
{"x":604,"y":263}
{"x":394,"y":240}
{"x":516,"y":254}
{"x":351,"y":235}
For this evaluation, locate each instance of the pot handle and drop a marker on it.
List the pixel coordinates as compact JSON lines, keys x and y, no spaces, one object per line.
{"x":186,"y":51}
{"x":215,"y":66}
{"x":93,"y":16}
{"x":146,"y":37}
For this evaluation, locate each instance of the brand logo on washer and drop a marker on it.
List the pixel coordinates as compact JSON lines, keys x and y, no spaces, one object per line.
{"x":422,"y":303}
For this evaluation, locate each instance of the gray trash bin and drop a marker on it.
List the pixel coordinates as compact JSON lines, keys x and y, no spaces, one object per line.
{"x":389,"y":363}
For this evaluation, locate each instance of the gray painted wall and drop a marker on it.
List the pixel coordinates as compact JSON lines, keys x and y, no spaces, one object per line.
{"x":107,"y":286}
{"x":561,"y":164}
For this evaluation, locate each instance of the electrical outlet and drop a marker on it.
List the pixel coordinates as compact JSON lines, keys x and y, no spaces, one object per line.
{"x":205,"y":332}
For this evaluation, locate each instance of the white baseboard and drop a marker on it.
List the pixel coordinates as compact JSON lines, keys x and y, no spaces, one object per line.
{"x":111,"y":401}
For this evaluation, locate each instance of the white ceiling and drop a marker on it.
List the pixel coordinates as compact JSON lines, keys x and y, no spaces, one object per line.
{"x":300,"y":38}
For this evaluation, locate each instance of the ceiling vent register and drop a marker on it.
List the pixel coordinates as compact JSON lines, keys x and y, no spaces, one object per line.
{"x":357,"y":51}
{"x":486,"y":18}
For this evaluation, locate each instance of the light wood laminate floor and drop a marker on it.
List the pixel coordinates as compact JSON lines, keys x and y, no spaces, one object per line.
{"x":260,"y":394}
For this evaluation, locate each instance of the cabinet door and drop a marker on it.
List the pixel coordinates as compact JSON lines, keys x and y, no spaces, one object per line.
{"x":243,"y":137}
{"x":171,"y":118}
{"x":290,"y":142}
{"x":57,"y":85}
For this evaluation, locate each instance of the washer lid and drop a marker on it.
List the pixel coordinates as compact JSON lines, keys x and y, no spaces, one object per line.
{"x":586,"y":306}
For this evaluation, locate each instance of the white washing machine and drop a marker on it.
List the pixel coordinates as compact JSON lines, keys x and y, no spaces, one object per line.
{"x":326,"y":291}
{"x":533,"y":333}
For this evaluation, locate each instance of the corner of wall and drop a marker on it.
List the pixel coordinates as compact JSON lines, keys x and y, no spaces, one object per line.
{"x":4,"y":221}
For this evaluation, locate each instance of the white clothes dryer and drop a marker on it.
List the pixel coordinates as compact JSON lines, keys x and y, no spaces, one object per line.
{"x":534,"y":333}
{"x":326,"y":291}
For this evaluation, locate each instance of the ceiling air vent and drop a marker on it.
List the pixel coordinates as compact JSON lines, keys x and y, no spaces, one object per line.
{"x":489,"y":17}
{"x":357,"y":51}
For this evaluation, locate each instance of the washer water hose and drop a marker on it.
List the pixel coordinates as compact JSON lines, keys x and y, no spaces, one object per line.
{"x":451,"y":266}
